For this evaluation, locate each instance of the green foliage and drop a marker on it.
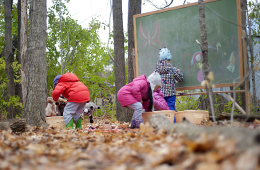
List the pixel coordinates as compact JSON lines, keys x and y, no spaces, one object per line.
{"x":254,"y":15}
{"x":186,"y":103}
{"x":13,"y":100}
{"x":82,"y":51}
{"x":228,"y":107}
{"x":109,"y":109}
{"x":191,"y":103}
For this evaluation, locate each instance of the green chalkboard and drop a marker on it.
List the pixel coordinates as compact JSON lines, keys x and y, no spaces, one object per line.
{"x":178,"y":29}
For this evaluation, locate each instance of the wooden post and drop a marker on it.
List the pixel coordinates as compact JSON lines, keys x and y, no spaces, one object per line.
{"x":245,"y":66}
{"x":249,"y":102}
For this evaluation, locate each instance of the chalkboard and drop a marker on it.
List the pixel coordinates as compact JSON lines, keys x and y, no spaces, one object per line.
{"x":178,"y":29}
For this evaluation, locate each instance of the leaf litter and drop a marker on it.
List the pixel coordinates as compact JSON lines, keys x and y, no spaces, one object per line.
{"x":113,"y":146}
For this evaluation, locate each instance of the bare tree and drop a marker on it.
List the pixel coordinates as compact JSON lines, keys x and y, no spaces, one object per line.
{"x":18,"y":86}
{"x":8,"y":54}
{"x":36,"y":71}
{"x":119,"y":58}
{"x":134,"y":7}
{"x":204,"y":50}
{"x":23,"y":45}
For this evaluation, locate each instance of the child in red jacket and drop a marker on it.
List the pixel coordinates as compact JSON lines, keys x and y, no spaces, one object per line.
{"x":77,"y":95}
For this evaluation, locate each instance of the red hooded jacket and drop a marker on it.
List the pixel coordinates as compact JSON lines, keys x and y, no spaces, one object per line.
{"x":71,"y":88}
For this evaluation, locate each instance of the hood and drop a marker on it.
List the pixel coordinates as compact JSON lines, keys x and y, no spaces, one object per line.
{"x":154,"y":79}
{"x":69,"y":77}
{"x":142,"y":77}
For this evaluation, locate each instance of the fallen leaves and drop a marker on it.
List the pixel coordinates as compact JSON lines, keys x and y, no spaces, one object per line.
{"x":96,"y":147}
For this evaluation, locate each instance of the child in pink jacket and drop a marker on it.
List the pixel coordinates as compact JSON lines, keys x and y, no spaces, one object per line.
{"x":159,"y":102}
{"x":136,"y":95}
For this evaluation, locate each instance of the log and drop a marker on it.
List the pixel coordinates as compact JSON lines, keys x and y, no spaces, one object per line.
{"x":247,"y":118}
{"x":18,"y":126}
{"x":244,"y":138}
{"x":4,"y":125}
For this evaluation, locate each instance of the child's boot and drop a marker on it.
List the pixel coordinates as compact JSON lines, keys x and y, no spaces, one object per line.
{"x":70,"y":124}
{"x":91,"y":119}
{"x":137,"y":123}
{"x":78,"y":124}
{"x":132,"y":124}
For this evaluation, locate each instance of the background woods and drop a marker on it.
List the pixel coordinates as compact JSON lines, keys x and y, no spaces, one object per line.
{"x":72,"y":48}
{"x":38,"y":43}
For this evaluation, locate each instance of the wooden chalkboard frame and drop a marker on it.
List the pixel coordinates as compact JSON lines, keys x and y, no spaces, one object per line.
{"x":240,"y":51}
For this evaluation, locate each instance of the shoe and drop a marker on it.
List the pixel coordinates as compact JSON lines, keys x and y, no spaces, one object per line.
{"x":70,"y":124}
{"x":91,"y":119}
{"x":132,"y":124}
{"x":78,"y":124}
{"x":137,"y":123}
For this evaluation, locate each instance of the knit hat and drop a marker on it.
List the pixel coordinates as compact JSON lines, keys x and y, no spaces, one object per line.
{"x":154,"y":79}
{"x":165,"y":54}
{"x":56,"y":79}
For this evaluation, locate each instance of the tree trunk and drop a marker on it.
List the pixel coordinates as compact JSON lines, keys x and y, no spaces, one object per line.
{"x":204,"y":50}
{"x":8,"y":55}
{"x":23,"y":46}
{"x":134,"y":7}
{"x":119,"y":58}
{"x":252,"y":58}
{"x":18,"y":86}
{"x":36,"y":71}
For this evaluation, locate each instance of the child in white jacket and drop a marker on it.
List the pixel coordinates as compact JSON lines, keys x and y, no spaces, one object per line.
{"x":159,"y":102}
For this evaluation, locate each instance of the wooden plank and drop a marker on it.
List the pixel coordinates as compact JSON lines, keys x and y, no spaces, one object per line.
{"x":239,"y":39}
{"x":248,"y":102}
{"x":199,"y":93}
{"x":172,"y":8}
{"x":245,"y":60}
{"x":237,"y":106}
{"x":202,"y":87}
{"x":135,"y":51}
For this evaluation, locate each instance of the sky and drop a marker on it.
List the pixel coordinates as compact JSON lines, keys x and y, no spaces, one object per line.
{"x":85,"y":10}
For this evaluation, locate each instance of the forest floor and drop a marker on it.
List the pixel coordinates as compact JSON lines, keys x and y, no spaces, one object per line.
{"x":113,"y":146}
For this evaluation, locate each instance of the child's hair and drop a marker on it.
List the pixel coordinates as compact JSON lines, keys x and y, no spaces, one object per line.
{"x":150,"y":96}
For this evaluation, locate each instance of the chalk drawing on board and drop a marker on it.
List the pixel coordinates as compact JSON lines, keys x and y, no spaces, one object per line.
{"x":178,"y":28}
{"x":196,"y":60}
{"x":150,"y":39}
{"x":232,"y":62}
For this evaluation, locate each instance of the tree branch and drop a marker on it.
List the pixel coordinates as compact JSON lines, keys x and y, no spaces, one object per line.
{"x":72,"y":53}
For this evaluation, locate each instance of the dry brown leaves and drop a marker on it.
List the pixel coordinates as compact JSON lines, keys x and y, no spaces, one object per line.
{"x":119,"y":149}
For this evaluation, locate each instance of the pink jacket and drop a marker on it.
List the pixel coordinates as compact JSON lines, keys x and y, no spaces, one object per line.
{"x":134,"y":92}
{"x":159,"y":101}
